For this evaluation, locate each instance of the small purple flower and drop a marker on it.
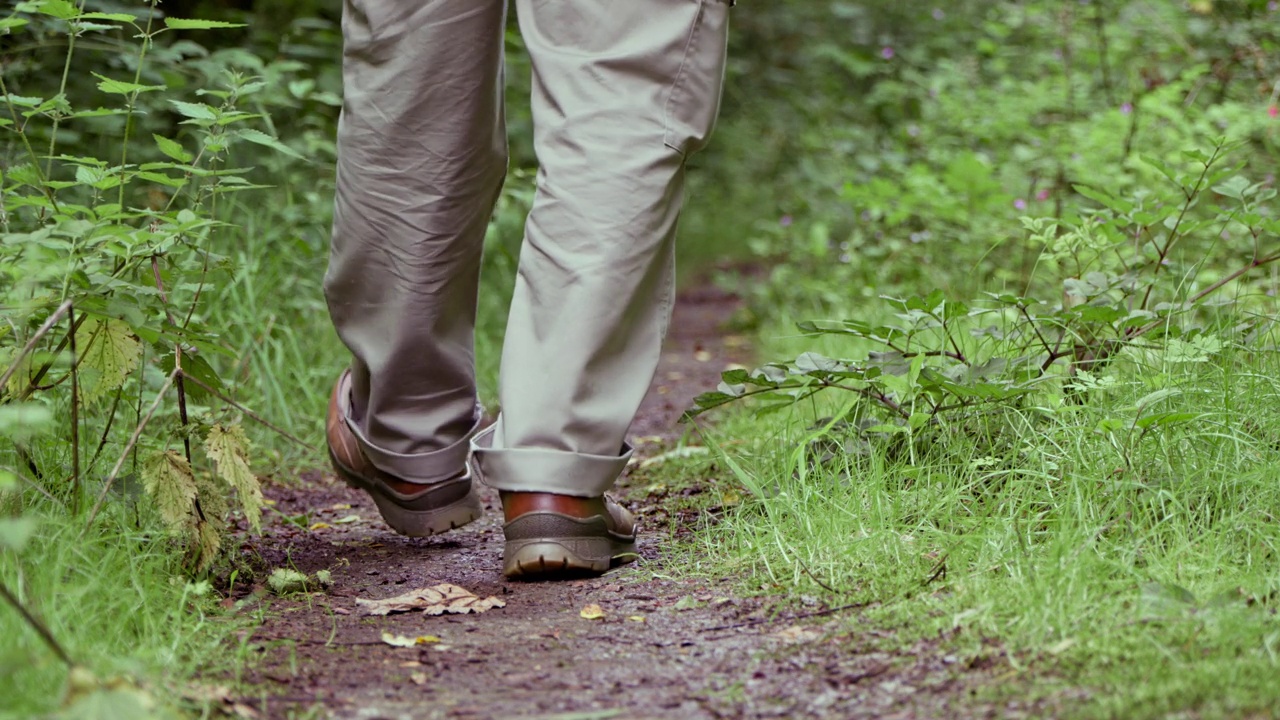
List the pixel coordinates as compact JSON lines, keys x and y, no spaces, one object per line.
{"x":785,"y":221}
{"x":1043,"y":195}
{"x":1126,"y":108}
{"x":1020,"y":204}
{"x":938,"y":14}
{"x":886,"y":52}
{"x":1273,"y":6}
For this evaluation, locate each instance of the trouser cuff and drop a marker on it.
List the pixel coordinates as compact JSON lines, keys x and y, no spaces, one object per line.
{"x":546,"y":471}
{"x":430,"y":467}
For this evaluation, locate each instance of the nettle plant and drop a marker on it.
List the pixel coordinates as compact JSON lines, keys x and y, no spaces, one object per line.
{"x":1132,"y":276}
{"x":105,"y":258}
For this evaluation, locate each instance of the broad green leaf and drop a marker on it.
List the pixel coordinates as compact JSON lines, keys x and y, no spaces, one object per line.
{"x":168,"y":479}
{"x":195,"y":111}
{"x":110,"y":352}
{"x":192,"y":24}
{"x":61,"y":9}
{"x":229,"y":449}
{"x":121,"y":87}
{"x":23,"y":421}
{"x":172,"y":148}
{"x":15,"y":532}
{"x":115,"y":17}
{"x":261,"y":138}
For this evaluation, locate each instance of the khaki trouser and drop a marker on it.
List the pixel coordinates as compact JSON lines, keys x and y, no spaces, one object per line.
{"x":623,"y":92}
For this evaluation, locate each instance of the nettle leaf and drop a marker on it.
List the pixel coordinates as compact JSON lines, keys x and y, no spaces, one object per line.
{"x":121,"y":87}
{"x":110,"y":351}
{"x":172,"y":148}
{"x":115,"y":17}
{"x":195,"y":111}
{"x":192,"y":24}
{"x":61,"y":9}
{"x":168,"y":478}
{"x":207,"y":541}
{"x":229,"y":449}
{"x":15,"y":532}
{"x":260,"y":138}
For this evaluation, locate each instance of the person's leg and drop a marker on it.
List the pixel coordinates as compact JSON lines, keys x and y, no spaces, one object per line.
{"x":622,"y":94}
{"x":421,"y":159}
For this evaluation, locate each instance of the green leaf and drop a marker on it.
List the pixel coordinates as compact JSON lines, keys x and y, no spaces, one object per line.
{"x":168,"y":479}
{"x":191,"y":24}
{"x":195,"y":111}
{"x":23,"y":421}
{"x":172,"y":149}
{"x":229,"y":449}
{"x":120,"y":87}
{"x":110,"y":352}
{"x":114,"y":17}
{"x":61,"y":9}
{"x":15,"y":532}
{"x":284,"y":581}
{"x":261,"y":138}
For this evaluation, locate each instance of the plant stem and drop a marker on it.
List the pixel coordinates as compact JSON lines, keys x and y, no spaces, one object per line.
{"x":36,"y":625}
{"x":75,"y":413}
{"x":31,"y":344}
{"x":128,"y":448}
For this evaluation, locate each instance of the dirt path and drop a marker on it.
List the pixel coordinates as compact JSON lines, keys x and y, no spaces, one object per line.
{"x":666,"y":648}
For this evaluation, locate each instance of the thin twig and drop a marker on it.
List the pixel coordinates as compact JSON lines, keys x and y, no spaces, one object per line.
{"x":137,"y":433}
{"x":36,"y":625}
{"x":801,"y":616}
{"x":34,"y":485}
{"x":252,"y":415}
{"x":75,"y":415}
{"x":815,"y":578}
{"x":31,"y":344}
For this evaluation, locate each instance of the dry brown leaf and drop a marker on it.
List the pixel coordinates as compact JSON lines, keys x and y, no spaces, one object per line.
{"x":435,"y":600}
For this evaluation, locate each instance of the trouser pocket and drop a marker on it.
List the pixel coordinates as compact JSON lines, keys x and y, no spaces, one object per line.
{"x":693,"y":102}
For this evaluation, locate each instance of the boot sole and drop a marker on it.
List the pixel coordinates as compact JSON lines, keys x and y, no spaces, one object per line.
{"x":409,"y":522}
{"x":544,"y":545}
{"x":560,"y":557}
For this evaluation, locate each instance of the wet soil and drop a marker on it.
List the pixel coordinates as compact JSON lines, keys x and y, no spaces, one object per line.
{"x":666,"y":647}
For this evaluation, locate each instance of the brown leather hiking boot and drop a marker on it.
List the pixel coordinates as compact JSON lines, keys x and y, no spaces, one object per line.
{"x":412,"y":509}
{"x":551,"y":536}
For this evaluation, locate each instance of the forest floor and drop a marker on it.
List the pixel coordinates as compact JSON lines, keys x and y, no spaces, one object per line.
{"x":666,"y":646}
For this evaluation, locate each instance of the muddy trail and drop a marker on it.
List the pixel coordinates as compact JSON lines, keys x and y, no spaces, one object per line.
{"x":665,"y":647}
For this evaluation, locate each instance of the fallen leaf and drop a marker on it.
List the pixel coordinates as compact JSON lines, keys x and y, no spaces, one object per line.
{"x":402,"y":641}
{"x":284,"y":581}
{"x":435,"y":600}
{"x":340,"y":506}
{"x":347,"y":520}
{"x":688,"y":602}
{"x":318,"y":526}
{"x":411,"y":663}
{"x":797,"y":633}
{"x":702,"y":356}
{"x":418,"y":678}
{"x":636,"y":618}
{"x":592,"y":612}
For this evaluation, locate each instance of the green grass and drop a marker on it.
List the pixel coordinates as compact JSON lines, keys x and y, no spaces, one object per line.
{"x":119,"y":604}
{"x":1143,"y":569}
